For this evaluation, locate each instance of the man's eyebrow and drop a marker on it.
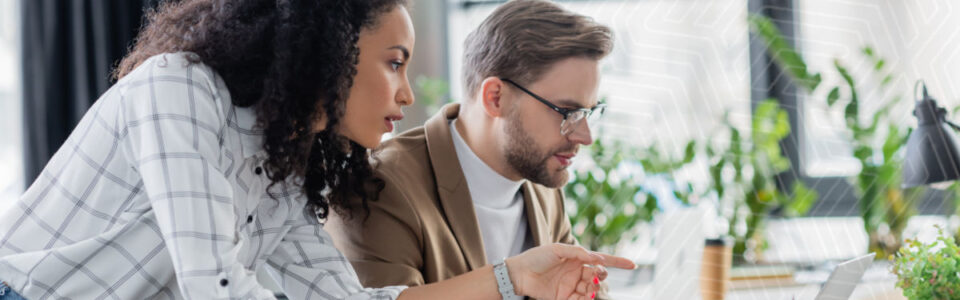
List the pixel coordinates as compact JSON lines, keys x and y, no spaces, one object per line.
{"x":406,"y":52}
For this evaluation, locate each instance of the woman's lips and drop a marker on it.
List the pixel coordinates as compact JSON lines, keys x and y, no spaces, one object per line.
{"x":388,"y":121}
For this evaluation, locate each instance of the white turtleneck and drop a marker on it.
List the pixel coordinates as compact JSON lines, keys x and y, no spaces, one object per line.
{"x":497,"y":201}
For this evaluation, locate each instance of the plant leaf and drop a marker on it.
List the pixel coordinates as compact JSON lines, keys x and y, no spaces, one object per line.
{"x":802,"y":200}
{"x":833,"y":96}
{"x":782,"y":52}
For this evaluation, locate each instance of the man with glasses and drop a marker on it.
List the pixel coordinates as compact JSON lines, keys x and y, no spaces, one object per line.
{"x":482,"y":180}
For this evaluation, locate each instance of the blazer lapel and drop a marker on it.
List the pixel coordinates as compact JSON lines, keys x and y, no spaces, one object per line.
{"x":535,"y":219}
{"x":452,"y":186}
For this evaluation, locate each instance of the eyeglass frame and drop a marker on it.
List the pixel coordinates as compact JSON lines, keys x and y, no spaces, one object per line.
{"x":565,"y":112}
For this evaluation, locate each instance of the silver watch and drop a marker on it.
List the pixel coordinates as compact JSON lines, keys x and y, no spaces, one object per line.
{"x":504,"y":285}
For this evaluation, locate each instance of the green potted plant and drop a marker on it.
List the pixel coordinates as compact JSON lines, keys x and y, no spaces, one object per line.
{"x":604,"y":208}
{"x":884,"y":206}
{"x":929,"y":270}
{"x":605,"y":202}
{"x":749,"y":187}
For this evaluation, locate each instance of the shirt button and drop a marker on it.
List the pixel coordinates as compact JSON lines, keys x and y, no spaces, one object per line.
{"x":249,"y":219}
{"x":258,"y":170}
{"x":224,"y":282}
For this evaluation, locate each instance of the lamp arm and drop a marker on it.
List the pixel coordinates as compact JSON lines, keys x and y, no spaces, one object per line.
{"x":952,"y":124}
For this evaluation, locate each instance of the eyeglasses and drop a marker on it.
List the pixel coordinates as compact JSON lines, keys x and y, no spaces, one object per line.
{"x":571,"y":117}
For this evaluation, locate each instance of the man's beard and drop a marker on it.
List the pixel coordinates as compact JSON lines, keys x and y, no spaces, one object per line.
{"x":526,"y":159}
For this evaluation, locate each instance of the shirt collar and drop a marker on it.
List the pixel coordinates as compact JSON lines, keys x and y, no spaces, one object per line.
{"x":484,"y":183}
{"x":244,"y":123}
{"x":241,"y":122}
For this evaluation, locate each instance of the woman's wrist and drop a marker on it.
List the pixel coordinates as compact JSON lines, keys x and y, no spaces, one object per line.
{"x":516,"y":275}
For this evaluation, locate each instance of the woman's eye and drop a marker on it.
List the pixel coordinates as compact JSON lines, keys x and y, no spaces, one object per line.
{"x":396,"y":65}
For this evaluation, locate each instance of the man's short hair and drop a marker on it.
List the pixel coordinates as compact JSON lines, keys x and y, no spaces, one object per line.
{"x":521,"y":39}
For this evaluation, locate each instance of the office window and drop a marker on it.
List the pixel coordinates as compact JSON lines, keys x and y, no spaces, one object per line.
{"x":919,"y":41}
{"x":11,"y":150}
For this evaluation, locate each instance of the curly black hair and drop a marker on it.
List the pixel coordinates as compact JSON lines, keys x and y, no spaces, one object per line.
{"x":294,"y":62}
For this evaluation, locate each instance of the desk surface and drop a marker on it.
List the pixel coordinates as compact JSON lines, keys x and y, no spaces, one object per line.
{"x":881,"y":290}
{"x":878,"y":283}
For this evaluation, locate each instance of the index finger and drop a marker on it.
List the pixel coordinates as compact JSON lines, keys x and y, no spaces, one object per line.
{"x":617,"y":262}
{"x":585,"y":256}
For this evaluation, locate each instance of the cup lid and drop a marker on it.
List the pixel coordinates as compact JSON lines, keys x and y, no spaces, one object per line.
{"x":720,"y":241}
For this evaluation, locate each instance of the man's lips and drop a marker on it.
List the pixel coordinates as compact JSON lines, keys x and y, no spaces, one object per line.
{"x":564,"y":158}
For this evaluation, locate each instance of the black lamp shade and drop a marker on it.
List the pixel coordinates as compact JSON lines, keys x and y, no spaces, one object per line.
{"x":933,"y":154}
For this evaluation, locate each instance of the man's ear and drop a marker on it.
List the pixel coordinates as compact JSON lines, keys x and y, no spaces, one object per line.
{"x":491,"y":96}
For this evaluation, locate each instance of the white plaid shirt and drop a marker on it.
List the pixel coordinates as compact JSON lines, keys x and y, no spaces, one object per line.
{"x":159,"y":193}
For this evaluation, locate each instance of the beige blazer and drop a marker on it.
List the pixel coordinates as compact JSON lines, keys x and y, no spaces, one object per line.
{"x":423,"y":228}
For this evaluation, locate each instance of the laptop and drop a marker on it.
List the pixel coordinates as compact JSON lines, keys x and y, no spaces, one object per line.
{"x":844,"y":279}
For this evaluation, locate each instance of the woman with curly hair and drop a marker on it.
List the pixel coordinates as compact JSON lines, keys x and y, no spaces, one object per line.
{"x":235,"y":126}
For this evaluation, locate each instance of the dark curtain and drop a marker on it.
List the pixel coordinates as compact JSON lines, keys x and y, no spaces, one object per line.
{"x":70,"y":48}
